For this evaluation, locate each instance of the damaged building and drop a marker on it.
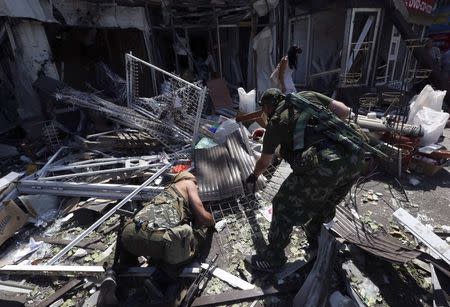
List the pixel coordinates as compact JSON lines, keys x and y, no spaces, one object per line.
{"x":104,"y":102}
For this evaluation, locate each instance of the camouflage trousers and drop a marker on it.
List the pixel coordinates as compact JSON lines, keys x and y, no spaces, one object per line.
{"x":161,"y":230}
{"x":309,"y":200}
{"x":174,"y":246}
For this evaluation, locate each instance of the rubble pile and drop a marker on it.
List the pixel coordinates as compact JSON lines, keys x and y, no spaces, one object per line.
{"x":64,"y":205}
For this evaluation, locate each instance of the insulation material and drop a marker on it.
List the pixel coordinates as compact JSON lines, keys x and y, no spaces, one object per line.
{"x":39,"y":10}
{"x":263,"y":46}
{"x":84,"y":13}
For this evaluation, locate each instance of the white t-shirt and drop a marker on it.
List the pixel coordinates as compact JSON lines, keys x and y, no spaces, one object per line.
{"x":287,"y":78}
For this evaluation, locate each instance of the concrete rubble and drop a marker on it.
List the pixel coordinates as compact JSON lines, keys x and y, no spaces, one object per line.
{"x":103,"y":102}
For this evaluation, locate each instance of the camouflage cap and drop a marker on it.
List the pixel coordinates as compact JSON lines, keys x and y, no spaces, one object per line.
{"x":271,"y":96}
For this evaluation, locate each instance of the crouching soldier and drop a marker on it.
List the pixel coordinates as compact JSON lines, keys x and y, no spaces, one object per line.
{"x":170,"y":228}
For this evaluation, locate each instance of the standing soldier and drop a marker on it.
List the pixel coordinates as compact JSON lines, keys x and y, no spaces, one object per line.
{"x":326,"y":156}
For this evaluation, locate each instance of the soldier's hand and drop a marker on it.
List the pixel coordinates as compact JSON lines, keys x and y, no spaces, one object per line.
{"x":251,"y":179}
{"x":258,"y":133}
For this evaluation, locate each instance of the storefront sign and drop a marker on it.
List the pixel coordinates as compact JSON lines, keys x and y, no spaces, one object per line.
{"x":422,"y":6}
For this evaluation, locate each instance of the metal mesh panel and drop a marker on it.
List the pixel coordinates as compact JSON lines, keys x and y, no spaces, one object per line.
{"x":51,"y":135}
{"x":244,"y":225}
{"x":175,"y":103}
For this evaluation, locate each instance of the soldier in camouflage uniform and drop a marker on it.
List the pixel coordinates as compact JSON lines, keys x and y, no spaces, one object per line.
{"x":323,"y":172}
{"x":171,"y":226}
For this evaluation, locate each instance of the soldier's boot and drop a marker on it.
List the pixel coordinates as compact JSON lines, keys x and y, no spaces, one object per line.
{"x":107,"y":296}
{"x":268,"y":261}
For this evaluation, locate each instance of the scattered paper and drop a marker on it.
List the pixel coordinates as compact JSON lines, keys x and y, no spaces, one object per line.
{"x":267,"y":213}
{"x":220,"y":225}
{"x":414,"y":181}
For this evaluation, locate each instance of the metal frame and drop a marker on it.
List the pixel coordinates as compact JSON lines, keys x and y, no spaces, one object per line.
{"x":107,"y":215}
{"x":348,"y":40}
{"x":83,"y":189}
{"x":392,"y":58}
{"x":133,"y":91}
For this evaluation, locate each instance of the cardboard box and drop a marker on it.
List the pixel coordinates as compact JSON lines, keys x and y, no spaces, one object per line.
{"x":12,"y":218}
{"x":422,"y":167}
{"x":258,"y":116}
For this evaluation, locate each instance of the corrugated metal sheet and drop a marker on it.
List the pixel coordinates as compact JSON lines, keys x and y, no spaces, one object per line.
{"x":380,"y":244}
{"x":218,"y":177}
{"x":223,"y":169}
{"x":240,"y":157}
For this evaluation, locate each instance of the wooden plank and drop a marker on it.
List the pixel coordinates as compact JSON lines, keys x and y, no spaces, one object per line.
{"x":328,"y":72}
{"x":60,"y":292}
{"x":14,"y":289}
{"x":229,"y":278}
{"x":8,"y":179}
{"x":137,"y":272}
{"x":16,"y":284}
{"x":234,"y":296}
{"x":439,"y":299}
{"x":13,"y":299}
{"x":49,"y":269}
{"x":425,"y":235}
{"x":289,"y":269}
{"x":83,"y":244}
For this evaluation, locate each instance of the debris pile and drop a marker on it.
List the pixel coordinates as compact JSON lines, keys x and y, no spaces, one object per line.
{"x":62,"y":208}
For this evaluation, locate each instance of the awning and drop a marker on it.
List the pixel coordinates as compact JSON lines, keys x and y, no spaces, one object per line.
{"x":32,"y":9}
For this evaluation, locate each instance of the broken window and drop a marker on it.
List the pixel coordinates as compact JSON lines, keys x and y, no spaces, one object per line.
{"x":362,"y":25}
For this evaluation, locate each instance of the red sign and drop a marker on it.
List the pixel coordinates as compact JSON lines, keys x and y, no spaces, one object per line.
{"x":423,"y":6}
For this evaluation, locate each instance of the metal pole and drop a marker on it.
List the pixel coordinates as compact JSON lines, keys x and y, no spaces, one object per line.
{"x":149,"y":55}
{"x":103,"y":171}
{"x":82,"y":235}
{"x":201,"y":101}
{"x":129,"y":78}
{"x":42,"y":171}
{"x":99,"y":164}
{"x":81,"y":189}
{"x":189,"y":56}
{"x":164,"y":72}
{"x":218,"y":46}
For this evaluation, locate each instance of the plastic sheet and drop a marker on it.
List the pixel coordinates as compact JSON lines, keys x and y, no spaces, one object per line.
{"x":225,"y":129}
{"x":428,"y":97}
{"x":425,"y":110}
{"x":432,"y":122}
{"x":247,"y":102}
